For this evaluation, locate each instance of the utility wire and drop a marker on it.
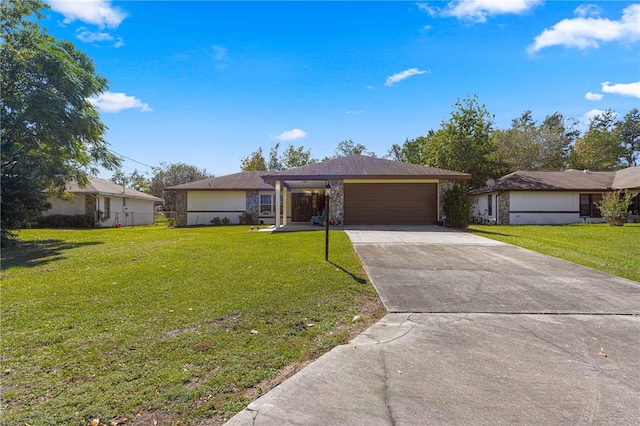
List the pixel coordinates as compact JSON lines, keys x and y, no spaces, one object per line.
{"x":131,"y":159}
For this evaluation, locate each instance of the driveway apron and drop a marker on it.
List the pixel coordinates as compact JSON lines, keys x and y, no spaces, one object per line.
{"x":479,"y":333}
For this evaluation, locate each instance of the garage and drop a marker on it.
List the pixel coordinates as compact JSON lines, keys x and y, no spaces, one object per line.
{"x":390,"y":203}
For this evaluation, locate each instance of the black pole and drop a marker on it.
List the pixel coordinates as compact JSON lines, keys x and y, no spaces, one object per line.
{"x":326,"y":232}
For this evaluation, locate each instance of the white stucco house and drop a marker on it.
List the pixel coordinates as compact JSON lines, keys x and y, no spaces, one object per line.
{"x":363,"y":190}
{"x":108,"y":203}
{"x":525,"y":197}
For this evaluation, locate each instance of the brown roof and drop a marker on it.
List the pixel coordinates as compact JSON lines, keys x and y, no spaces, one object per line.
{"x":568,"y":180}
{"x":103,"y":187}
{"x":359,"y":166}
{"x":627,"y":178}
{"x":236,"y":181}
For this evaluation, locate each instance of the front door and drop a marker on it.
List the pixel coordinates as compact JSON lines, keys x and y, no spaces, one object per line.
{"x":301,"y":207}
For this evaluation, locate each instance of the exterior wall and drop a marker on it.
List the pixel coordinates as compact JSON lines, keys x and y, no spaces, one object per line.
{"x":203,"y":206}
{"x":531,"y":208}
{"x":138,"y":212}
{"x":73,"y":207}
{"x":181,"y":208}
{"x":336,"y":202}
{"x":480,"y":208}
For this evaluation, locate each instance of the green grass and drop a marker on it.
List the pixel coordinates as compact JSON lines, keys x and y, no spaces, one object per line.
{"x":175,"y":324}
{"x":611,"y":249}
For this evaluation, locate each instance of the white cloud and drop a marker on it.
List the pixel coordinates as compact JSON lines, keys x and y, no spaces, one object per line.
{"x":116,"y":102}
{"x":290,"y":135}
{"x":478,"y":10}
{"x":593,"y":96}
{"x":585,"y":120}
{"x":219,"y":52}
{"x":628,"y":89}
{"x":588,"y":31}
{"x":96,"y":12}
{"x":88,"y":36}
{"x":396,"y":78}
{"x":354,"y":112}
{"x":119,"y":43}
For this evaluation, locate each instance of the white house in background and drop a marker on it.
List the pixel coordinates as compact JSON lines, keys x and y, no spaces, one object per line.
{"x":547,"y":198}
{"x":107,"y":202}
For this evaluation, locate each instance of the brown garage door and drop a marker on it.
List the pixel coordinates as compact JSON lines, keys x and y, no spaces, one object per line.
{"x":390,"y":204}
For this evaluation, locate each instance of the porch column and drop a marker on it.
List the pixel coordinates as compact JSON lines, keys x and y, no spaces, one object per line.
{"x":284,"y":205}
{"x":277,"y":202}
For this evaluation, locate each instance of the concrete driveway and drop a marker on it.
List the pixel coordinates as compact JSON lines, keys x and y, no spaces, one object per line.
{"x":466,"y":344}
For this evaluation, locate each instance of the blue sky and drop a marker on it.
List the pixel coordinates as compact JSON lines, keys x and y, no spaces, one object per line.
{"x":207,"y":83}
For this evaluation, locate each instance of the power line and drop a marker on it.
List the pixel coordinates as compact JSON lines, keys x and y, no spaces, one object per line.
{"x":131,"y":159}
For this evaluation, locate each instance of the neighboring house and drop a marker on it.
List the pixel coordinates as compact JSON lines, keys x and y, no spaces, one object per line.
{"x":230,"y":196}
{"x":108,"y":203}
{"x":564,"y":197}
{"x":364,"y":190}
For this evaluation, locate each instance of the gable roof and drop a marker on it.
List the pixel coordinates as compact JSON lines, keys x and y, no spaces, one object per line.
{"x":103,"y":187}
{"x":236,"y":181}
{"x":568,"y":180}
{"x":360,"y":166}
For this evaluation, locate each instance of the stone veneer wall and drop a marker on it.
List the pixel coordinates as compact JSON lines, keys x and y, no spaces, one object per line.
{"x":445,"y":185}
{"x":253,"y":204}
{"x":90,"y":207}
{"x":336,"y":203}
{"x":504,"y":205}
{"x":181,"y":208}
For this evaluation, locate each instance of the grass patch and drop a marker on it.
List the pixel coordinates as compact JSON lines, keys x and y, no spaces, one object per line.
{"x":174,"y":325}
{"x":611,"y":249}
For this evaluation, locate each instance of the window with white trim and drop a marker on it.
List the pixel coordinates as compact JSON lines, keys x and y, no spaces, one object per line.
{"x":267,"y":207}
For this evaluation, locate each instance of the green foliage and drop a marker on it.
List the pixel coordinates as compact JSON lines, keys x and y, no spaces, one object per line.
{"x":65,"y":221}
{"x":349,"y":147}
{"x":255,"y":162}
{"x":599,"y":149}
{"x":50,"y":130}
{"x":226,"y":221}
{"x":464,"y":142}
{"x":296,"y":157}
{"x":248,"y":218}
{"x":628,"y":133}
{"x":173,"y":174}
{"x":457,"y":206}
{"x":412,"y":151}
{"x":216,"y":221}
{"x":108,"y":322}
{"x":135,"y":180}
{"x":616,"y":252}
{"x":614,"y":207}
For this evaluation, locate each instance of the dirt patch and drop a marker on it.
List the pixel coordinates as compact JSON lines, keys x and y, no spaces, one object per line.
{"x":227,"y":322}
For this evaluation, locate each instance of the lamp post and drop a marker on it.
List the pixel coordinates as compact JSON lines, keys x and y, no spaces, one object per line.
{"x":327,"y":194}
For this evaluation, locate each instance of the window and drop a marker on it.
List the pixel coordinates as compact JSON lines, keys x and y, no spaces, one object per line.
{"x":107,"y":208}
{"x":266,"y":205}
{"x":588,"y":205}
{"x":490,"y":205}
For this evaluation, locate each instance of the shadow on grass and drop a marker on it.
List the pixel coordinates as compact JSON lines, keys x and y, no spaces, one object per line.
{"x":38,"y":253}
{"x":356,"y":278}
{"x":481,"y":232}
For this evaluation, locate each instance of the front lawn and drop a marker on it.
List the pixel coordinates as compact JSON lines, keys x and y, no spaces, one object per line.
{"x":166,"y":325}
{"x":611,"y":249}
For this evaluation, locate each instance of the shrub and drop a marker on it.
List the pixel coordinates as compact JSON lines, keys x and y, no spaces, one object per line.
{"x":226,"y":221}
{"x":457,"y":206}
{"x":614,"y":207}
{"x":247,"y":218}
{"x":215,"y":221}
{"x":65,"y":221}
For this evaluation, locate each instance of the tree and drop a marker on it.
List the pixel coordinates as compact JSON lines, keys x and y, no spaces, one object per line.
{"x":614,"y":207}
{"x":411,"y":151}
{"x":275,"y":163}
{"x":464,"y":143}
{"x":599,"y":148}
{"x":517,"y":148}
{"x":628,"y":132}
{"x":50,"y":133}
{"x":135,"y":180}
{"x":349,"y":147}
{"x":174,"y":174}
{"x":296,"y":157}
{"x":556,"y":134}
{"x":254,"y":162}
